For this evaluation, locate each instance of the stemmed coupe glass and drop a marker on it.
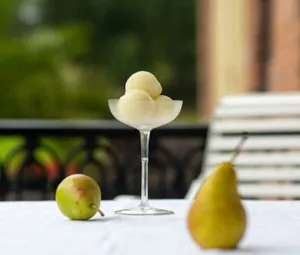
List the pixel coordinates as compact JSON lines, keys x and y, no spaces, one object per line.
{"x":144,"y":126}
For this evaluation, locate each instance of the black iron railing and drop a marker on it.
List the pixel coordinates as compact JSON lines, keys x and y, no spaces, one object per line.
{"x":107,"y":150}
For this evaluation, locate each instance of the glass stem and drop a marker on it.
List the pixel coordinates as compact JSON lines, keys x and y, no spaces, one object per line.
{"x":145,"y":136}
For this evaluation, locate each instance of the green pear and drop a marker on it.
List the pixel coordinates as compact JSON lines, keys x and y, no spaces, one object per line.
{"x":78,"y":197}
{"x":217,"y":218}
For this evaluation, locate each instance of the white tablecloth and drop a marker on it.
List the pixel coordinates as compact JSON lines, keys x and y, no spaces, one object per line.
{"x":38,"y":228}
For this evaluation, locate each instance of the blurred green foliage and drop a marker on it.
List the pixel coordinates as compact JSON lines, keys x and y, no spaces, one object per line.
{"x":40,"y":77}
{"x":64,"y":59}
{"x":76,"y":54}
{"x":131,"y":35}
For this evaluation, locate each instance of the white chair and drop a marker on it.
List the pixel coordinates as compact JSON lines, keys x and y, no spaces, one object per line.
{"x":269,"y":163}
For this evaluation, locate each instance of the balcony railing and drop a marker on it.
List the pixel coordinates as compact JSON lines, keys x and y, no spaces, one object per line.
{"x":107,"y":150}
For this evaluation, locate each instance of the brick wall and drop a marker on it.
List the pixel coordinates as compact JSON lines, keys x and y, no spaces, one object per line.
{"x":262,"y":53}
{"x":284,"y":64}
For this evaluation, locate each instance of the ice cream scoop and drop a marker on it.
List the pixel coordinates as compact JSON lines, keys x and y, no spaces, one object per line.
{"x":145,"y":81}
{"x":136,"y":106}
{"x":164,"y":106}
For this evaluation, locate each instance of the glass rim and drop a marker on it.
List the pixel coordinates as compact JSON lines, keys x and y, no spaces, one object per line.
{"x":117,"y":99}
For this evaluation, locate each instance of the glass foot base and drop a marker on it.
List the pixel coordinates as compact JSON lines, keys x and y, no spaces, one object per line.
{"x":143,"y":210}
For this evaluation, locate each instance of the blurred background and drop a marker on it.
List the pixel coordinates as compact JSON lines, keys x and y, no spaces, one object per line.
{"x":64,"y":59}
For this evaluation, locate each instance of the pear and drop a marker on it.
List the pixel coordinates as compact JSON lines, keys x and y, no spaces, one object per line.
{"x":217,"y":218}
{"x":78,"y":197}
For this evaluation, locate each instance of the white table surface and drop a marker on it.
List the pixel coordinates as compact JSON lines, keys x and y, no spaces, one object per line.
{"x":38,"y":228}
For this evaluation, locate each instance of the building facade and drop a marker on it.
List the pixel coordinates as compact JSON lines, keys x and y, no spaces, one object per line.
{"x":246,"y":46}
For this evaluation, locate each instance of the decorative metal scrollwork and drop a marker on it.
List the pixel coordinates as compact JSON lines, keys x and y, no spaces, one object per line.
{"x":116,"y":168}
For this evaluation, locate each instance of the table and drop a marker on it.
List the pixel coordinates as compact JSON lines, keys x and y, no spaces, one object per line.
{"x":38,"y":228}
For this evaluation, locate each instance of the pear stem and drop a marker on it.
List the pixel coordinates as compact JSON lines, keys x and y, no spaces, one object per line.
{"x":239,"y":147}
{"x":99,"y":211}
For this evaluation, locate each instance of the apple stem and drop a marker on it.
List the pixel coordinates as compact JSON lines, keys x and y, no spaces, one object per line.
{"x":99,"y":211}
{"x":239,"y":147}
